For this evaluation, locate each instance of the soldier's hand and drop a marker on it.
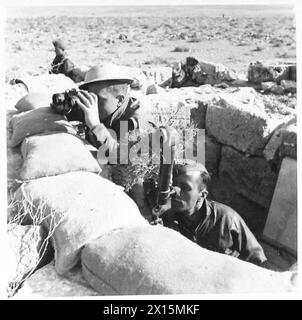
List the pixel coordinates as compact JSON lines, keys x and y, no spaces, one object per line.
{"x":89,"y":104}
{"x":104,"y":136}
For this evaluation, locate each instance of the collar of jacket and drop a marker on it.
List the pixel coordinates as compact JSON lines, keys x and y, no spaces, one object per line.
{"x":116,"y":115}
{"x":210,"y":218}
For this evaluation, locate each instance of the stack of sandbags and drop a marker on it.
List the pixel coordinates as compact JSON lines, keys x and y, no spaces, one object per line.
{"x":41,"y":120}
{"x":53,"y":154}
{"x":157,"y":260}
{"x":75,"y":208}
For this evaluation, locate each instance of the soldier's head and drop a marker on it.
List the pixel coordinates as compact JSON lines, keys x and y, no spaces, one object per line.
{"x":190,"y":182}
{"x":59,"y":47}
{"x":111,"y":85}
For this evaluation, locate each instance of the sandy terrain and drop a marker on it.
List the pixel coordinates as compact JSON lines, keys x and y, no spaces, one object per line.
{"x":142,"y":36}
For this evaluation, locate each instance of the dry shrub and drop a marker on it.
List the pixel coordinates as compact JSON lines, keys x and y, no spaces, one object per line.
{"x":24,"y":212}
{"x":147,"y":164}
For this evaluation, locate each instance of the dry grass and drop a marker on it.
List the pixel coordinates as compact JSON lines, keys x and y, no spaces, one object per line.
{"x":25,"y":211}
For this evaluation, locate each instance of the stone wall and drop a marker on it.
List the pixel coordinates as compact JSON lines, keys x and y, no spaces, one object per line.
{"x":245,"y":141}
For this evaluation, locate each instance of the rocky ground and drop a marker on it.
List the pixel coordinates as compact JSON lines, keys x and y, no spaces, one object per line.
{"x":233,"y":40}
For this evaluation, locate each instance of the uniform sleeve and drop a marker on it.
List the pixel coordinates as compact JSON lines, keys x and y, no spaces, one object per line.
{"x":245,"y":242}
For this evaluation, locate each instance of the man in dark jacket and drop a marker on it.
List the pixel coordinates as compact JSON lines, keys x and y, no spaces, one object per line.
{"x":61,"y":63}
{"x":210,"y":224}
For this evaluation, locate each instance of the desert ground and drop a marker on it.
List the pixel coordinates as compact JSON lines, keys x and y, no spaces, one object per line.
{"x":138,"y":36}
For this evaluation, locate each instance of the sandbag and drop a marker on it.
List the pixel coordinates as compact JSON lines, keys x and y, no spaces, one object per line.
{"x":53,"y":83}
{"x":158,"y":260}
{"x":37,"y":121}
{"x":34,"y":100}
{"x":53,"y":154}
{"x":14,"y":163}
{"x":76,"y":208}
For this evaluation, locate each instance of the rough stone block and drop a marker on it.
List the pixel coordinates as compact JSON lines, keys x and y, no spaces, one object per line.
{"x":181,"y":107}
{"x":289,"y":86}
{"x":277,"y":89}
{"x":252,"y":176}
{"x":212,"y":73}
{"x":237,"y":117}
{"x":283,"y":142}
{"x":281,"y":224}
{"x":267,"y":86}
{"x":212,"y":155}
{"x":223,"y":190}
{"x":45,"y":282}
{"x":259,"y":72}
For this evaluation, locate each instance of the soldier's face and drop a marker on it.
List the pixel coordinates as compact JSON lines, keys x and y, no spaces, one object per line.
{"x":107,"y":102}
{"x":188,"y":191}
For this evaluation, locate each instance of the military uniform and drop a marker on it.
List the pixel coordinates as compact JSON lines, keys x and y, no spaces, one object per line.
{"x":62,"y":64}
{"x":130,"y":111}
{"x":219,"y":228}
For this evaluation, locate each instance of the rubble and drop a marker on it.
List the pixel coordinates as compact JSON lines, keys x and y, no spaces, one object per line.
{"x":277,"y":89}
{"x":267,"y":85}
{"x":259,"y":72}
{"x":289,"y":86}
{"x":212,"y":73}
{"x":283,"y":142}
{"x":212,"y":155}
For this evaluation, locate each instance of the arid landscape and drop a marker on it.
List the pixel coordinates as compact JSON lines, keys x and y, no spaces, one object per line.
{"x":141,"y":36}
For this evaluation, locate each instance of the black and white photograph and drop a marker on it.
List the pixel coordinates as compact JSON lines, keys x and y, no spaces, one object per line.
{"x":151,"y":150}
